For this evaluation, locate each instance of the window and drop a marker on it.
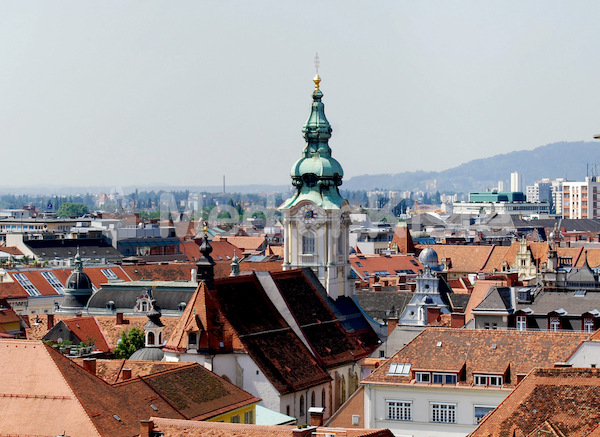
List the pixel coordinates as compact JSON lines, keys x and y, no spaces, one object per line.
{"x":488,"y":325}
{"x":301,"y":405}
{"x":313,"y":399}
{"x":521,"y":323}
{"x":26,"y":284}
{"x":399,"y":369}
{"x":381,"y":353}
{"x":444,"y":378}
{"x":109,"y":274}
{"x":481,"y":411}
{"x":588,"y":325}
{"x":399,"y":410}
{"x":358,"y":264}
{"x":554,"y":324}
{"x":424,"y":377}
{"x":192,"y":340}
{"x":235,"y":419}
{"x":443,"y":413}
{"x":488,"y":380}
{"x":53,"y":280}
{"x":308,"y":244}
{"x":322,"y":398}
{"x":249,"y":417}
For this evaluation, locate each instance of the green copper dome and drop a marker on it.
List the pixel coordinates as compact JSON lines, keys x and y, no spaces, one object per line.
{"x":316,"y":175}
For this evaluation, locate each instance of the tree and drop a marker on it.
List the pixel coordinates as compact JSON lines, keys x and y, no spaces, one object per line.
{"x":129,"y":342}
{"x":70,"y":209}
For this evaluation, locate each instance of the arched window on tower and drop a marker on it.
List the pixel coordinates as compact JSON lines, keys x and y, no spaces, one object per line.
{"x":151,"y":339}
{"x":301,"y":405}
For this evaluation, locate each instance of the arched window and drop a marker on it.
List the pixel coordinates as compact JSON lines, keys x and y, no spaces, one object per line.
{"x":308,"y":243}
{"x":151,"y":338}
{"x":160,"y":338}
{"x":181,"y":306}
{"x":301,"y":405}
{"x":313,"y":402}
{"x":323,"y":398}
{"x":144,"y":306}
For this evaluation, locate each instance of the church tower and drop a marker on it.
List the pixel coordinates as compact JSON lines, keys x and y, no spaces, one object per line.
{"x":316,"y":218}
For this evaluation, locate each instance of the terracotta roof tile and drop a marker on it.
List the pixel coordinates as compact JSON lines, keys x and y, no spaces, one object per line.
{"x":479,"y":293}
{"x":469,"y":351}
{"x":548,"y":402}
{"x":88,"y":330}
{"x":366,"y":265}
{"x":11,"y":250}
{"x":464,"y":259}
{"x":222,"y":250}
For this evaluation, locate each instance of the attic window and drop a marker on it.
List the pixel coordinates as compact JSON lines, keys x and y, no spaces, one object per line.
{"x":494,"y":346}
{"x":579,"y":293}
{"x":399,"y":369}
{"x":414,"y":263}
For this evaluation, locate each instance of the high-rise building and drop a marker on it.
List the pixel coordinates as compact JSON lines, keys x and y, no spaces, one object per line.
{"x":316,"y":218}
{"x":580,"y":199}
{"x":547,"y":190}
{"x":516,"y":183}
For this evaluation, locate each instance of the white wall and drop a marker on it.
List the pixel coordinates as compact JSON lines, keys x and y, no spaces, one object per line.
{"x":421,"y":397}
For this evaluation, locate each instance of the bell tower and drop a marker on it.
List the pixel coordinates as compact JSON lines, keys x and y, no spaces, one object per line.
{"x":316,"y":218}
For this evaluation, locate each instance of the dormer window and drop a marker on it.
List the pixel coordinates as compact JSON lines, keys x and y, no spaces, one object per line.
{"x":192,"y":340}
{"x":488,"y":380}
{"x":444,"y":378}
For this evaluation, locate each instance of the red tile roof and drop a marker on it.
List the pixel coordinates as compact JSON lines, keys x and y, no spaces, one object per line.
{"x":390,"y":263}
{"x":548,"y":402}
{"x":245,"y":244}
{"x":402,"y":240}
{"x":469,"y":351}
{"x":11,"y":250}
{"x":464,"y":259}
{"x":88,"y":331}
{"x":222,"y":250}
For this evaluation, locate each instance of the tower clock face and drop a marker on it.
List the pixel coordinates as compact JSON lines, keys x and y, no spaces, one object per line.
{"x":308,"y":214}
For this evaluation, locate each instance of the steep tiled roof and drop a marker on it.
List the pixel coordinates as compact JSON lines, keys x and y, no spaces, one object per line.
{"x":467,"y":259}
{"x":320,"y":326}
{"x":394,"y":264}
{"x":48,"y":394}
{"x":222,"y":250}
{"x":355,"y":405}
{"x":554,"y":401}
{"x":402,"y":240}
{"x":11,"y":250}
{"x":245,"y":244}
{"x":469,"y":351}
{"x":111,"y":371}
{"x":383,"y":304}
{"x":110,"y":330}
{"x":266,"y":336}
{"x":479,"y":293}
{"x":88,"y":330}
{"x":198,"y":393}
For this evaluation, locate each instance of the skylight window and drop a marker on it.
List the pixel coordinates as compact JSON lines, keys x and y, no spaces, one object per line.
{"x":399,"y":369}
{"x":54,"y":282}
{"x":26,"y":284}
{"x":109,"y":274}
{"x":358,"y":264}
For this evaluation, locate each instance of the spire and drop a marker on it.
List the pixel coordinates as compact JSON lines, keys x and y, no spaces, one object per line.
{"x":235,"y":265}
{"x":205,"y":266}
{"x":78,"y":263}
{"x":317,"y":175}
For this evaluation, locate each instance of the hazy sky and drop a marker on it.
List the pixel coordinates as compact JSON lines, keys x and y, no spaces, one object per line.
{"x":184,"y":92}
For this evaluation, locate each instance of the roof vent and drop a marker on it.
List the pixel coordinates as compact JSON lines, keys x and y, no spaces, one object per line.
{"x":494,"y":346}
{"x":439,"y":344}
{"x":153,"y":407}
{"x":117,"y":418}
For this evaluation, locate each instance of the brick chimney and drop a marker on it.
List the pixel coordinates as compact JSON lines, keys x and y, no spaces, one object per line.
{"x":50,"y":321}
{"x":433,"y":314}
{"x":392,"y":322}
{"x":303,"y":432}
{"x":126,"y":374}
{"x":146,"y":428}
{"x":457,"y":320}
{"x":316,"y":416}
{"x":119,"y":319}
{"x":89,"y":364}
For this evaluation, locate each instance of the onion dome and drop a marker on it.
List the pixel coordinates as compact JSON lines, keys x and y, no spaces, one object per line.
{"x":429,"y":258}
{"x":78,"y":288}
{"x":317,"y":175}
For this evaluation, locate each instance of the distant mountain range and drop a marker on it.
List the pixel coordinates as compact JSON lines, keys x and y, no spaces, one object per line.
{"x":571,"y":160}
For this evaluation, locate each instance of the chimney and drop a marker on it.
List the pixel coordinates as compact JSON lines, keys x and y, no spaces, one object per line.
{"x":433,"y":315}
{"x":119,"y":318}
{"x":304,"y":432}
{"x":89,"y":364}
{"x":392,"y":323}
{"x":457,"y":320}
{"x":78,"y":314}
{"x":146,"y":428}
{"x":194,"y":273}
{"x":50,"y":321}
{"x":126,"y":374}
{"x":316,"y":416}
